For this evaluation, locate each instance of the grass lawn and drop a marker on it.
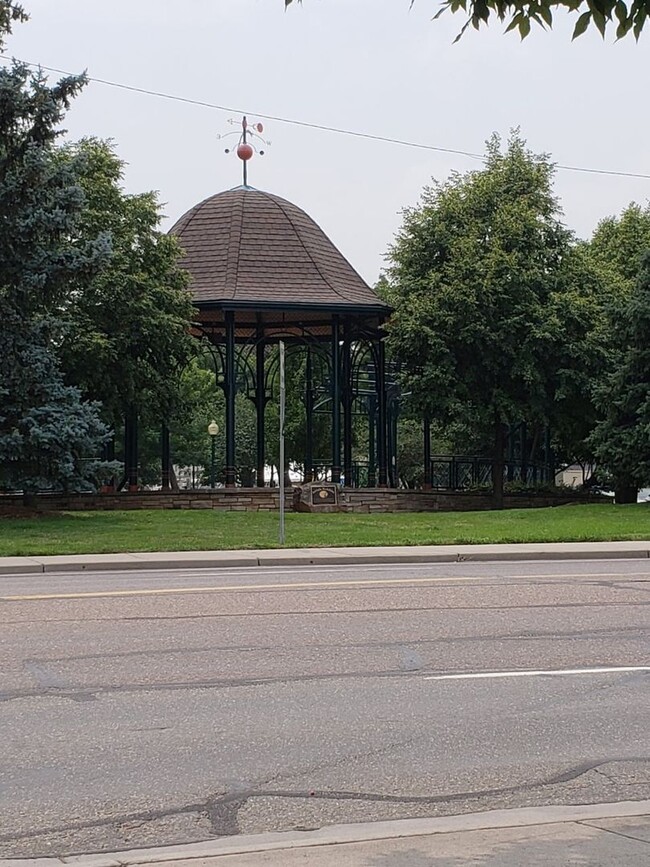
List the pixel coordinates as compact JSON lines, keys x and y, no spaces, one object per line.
{"x":107,"y":532}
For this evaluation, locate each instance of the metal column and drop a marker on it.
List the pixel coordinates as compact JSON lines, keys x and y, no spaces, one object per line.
{"x":336,"y":401}
{"x":230,"y":384}
{"x":382,"y":451}
{"x":260,"y":405}
{"x":372,"y":447}
{"x":309,"y":418}
{"x":347,"y":406}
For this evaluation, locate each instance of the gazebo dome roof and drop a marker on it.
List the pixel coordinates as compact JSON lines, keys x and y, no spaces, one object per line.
{"x":245,"y":248}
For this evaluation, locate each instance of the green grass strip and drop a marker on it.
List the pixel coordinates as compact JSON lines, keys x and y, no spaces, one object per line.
{"x":196,"y":530}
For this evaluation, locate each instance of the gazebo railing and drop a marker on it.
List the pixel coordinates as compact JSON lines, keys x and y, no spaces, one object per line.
{"x":462,"y":472}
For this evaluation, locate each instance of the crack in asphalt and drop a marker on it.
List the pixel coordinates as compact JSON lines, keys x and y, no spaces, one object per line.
{"x":610,"y":831}
{"x":324,"y":611}
{"x":39,"y":667}
{"x":222,"y":810}
{"x":91,"y":692}
{"x":602,"y":773}
{"x":224,"y":815}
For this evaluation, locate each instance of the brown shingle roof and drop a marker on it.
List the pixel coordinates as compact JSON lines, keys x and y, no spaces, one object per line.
{"x":250,"y":247}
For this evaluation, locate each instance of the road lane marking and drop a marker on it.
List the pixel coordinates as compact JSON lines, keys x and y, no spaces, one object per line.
{"x":231,"y":588}
{"x":490,"y":675}
{"x":306,"y":585}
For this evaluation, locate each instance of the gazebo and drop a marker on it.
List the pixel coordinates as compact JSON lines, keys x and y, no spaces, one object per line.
{"x":261,"y":270}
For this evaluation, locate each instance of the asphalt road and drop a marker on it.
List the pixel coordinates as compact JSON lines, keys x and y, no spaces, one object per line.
{"x":153,"y":708}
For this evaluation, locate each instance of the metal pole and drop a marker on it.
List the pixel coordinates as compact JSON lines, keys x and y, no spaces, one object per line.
{"x":372,"y":448}
{"x":309,"y":419}
{"x":230,"y":390}
{"x":347,"y":407}
{"x":382,"y":456}
{"x":213,"y":443}
{"x":281,"y":466}
{"x":260,"y":404}
{"x":243,"y":138}
{"x":336,"y":401}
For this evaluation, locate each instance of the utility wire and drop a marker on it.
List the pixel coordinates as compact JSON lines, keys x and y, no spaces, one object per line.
{"x":306,"y":124}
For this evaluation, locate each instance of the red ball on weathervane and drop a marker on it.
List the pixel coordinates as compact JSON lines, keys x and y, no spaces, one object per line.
{"x":244,"y":151}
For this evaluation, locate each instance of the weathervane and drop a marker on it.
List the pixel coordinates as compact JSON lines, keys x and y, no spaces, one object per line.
{"x":245,"y":150}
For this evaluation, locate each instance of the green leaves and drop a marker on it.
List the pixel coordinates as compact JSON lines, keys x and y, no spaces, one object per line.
{"x":9,"y":13}
{"x":581,"y":25}
{"x":493,"y":304}
{"x":127,"y":331}
{"x":522,"y":13}
{"x":622,"y":438}
{"x":47,"y":430}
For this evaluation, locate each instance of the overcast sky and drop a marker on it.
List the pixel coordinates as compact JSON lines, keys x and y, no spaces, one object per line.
{"x":367,"y":65}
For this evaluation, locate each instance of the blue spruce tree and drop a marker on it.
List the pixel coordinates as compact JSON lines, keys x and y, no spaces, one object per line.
{"x":48,"y":434}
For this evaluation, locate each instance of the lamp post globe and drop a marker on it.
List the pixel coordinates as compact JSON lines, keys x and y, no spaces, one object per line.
{"x":213,"y":431}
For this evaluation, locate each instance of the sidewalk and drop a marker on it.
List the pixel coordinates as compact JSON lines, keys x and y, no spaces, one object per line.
{"x":601,"y":835}
{"x":325,"y":556}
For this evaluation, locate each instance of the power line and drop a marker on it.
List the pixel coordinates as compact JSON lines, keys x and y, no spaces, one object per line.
{"x":308,"y":125}
{"x":303,"y":123}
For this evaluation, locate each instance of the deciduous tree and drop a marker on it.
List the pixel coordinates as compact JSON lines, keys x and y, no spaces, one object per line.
{"x":127,"y":335}
{"x":493,"y":308}
{"x":622,"y":438}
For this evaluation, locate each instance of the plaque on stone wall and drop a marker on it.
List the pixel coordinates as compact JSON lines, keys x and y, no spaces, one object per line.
{"x":317,"y":497}
{"x":324,"y":495}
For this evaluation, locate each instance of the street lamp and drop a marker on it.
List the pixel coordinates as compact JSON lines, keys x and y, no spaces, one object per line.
{"x":213,"y":431}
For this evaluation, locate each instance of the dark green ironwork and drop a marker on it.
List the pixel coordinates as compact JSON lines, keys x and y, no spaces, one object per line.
{"x":347,"y":395}
{"x":343,"y":381}
{"x":309,"y":418}
{"x":391,"y":442}
{"x":380,"y":375}
{"x":336,"y":399}
{"x":463,"y":472}
{"x":372,"y":446}
{"x":230,"y":387}
{"x":260,"y":404}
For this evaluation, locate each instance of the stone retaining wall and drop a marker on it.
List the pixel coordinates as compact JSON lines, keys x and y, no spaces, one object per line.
{"x":374,"y":500}
{"x":267,"y":499}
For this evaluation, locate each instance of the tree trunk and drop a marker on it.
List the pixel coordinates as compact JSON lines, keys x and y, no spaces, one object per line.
{"x":30,"y":500}
{"x":625,"y":494}
{"x":498,"y":462}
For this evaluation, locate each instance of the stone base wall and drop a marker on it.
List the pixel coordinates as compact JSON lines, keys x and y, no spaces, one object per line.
{"x":222,"y":499}
{"x":392,"y":500}
{"x":267,"y":499}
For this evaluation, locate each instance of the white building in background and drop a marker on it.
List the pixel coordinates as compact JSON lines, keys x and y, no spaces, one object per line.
{"x":574,"y":476}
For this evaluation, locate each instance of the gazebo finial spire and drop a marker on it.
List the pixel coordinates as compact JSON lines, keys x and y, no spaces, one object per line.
{"x":245,"y":150}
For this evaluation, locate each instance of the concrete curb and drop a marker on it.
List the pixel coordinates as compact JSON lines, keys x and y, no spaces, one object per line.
{"x":334,"y":835}
{"x":325,"y":557}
